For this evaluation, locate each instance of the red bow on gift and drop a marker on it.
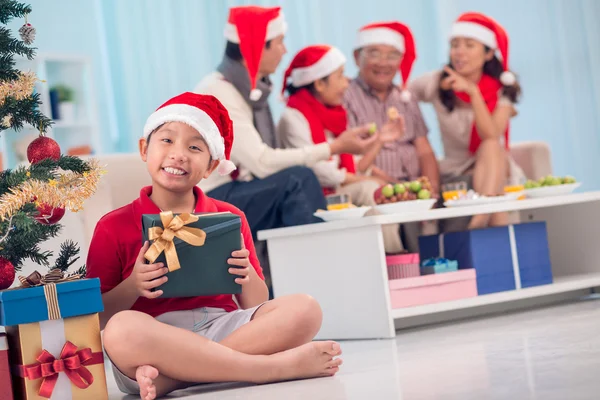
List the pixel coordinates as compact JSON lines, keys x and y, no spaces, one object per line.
{"x":71,"y":362}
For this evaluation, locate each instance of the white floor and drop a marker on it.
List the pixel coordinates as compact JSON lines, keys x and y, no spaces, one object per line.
{"x":544,"y":354}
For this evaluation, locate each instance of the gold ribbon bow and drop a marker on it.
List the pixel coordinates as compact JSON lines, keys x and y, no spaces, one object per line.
{"x":163,"y":238}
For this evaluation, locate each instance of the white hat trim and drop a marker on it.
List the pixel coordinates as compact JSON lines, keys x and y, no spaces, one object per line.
{"x":475,"y":31}
{"x":381,"y":35}
{"x":276,"y":27}
{"x":194,"y":117}
{"x":327,"y":64}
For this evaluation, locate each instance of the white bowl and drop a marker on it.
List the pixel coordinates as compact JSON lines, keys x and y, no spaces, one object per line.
{"x":547,"y":191}
{"x":339,"y":215}
{"x":404,"y":207}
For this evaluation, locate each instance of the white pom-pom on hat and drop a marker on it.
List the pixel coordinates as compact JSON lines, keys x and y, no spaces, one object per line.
{"x":508,"y":78}
{"x":225,"y":167}
{"x":405,"y":96}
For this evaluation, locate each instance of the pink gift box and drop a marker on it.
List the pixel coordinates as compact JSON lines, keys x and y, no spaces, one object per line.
{"x":436,"y":288}
{"x":5,"y":380}
{"x":403,"y":266}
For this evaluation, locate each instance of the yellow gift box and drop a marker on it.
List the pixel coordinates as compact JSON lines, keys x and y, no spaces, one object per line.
{"x":58,"y":359}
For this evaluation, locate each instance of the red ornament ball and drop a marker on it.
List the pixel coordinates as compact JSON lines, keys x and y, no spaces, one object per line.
{"x":49,"y":215}
{"x":41,"y":148}
{"x":7,"y":273}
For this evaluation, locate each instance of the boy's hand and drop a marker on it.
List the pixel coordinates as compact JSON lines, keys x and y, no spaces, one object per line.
{"x":241,"y":261}
{"x":144,"y":276}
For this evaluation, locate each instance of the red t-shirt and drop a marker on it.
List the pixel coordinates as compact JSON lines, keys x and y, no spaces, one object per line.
{"x":117,"y":242}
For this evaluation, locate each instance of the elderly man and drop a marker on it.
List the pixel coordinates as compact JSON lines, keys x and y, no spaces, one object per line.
{"x":383,"y":49}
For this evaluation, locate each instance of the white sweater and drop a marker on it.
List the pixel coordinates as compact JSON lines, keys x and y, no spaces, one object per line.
{"x":249,"y":153}
{"x":294,"y":131}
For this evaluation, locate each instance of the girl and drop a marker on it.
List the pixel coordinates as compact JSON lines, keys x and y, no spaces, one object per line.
{"x":314,"y":114}
{"x":474,"y":98}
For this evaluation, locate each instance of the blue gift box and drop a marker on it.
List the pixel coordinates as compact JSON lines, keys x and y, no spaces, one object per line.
{"x":505,"y":258}
{"x":23,"y":306}
{"x":438,"y":266}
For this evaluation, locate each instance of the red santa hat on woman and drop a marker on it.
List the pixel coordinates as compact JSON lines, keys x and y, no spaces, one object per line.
{"x":312,"y":63}
{"x":204,"y":113}
{"x":484,"y":29}
{"x":251,"y":27}
{"x":394,"y":34}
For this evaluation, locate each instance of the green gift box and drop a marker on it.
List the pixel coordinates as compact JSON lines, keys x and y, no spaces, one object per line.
{"x":203,"y":269}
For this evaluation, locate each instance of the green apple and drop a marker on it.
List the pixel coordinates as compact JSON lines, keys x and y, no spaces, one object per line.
{"x":372,"y":128}
{"x":399,"y":188}
{"x":387,"y":191}
{"x":554,"y":182}
{"x":424,"y":194}
{"x":530,"y":184}
{"x":569,"y":179}
{"x":415,"y":186}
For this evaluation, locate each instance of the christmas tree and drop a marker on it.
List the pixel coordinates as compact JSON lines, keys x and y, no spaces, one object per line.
{"x":34,"y":198}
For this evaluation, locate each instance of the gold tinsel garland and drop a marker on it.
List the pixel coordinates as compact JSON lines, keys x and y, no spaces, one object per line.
{"x":69,"y":191}
{"x":20,"y":88}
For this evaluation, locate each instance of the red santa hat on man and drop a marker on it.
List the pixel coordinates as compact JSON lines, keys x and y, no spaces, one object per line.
{"x":394,"y":34}
{"x":204,"y":113}
{"x":251,"y":27}
{"x":484,"y":29}
{"x":312,"y":63}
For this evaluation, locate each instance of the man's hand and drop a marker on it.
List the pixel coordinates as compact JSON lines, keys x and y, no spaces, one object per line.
{"x":353,"y":141}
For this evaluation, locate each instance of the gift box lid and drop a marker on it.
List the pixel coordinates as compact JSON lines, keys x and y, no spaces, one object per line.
{"x":411,"y":258}
{"x":431,"y":280}
{"x":26,"y":305}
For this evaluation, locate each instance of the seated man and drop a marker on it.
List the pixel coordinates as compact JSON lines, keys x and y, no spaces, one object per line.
{"x":274,"y":187}
{"x":381,"y":50}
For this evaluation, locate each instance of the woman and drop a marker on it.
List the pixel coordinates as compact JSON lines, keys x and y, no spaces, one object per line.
{"x":474,"y":98}
{"x":314,"y":114}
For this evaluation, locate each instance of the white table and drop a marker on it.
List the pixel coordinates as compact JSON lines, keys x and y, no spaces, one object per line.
{"x":342,"y":264}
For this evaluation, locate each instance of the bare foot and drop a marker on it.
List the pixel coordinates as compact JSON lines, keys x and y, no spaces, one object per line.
{"x":311,"y":360}
{"x":145,"y":376}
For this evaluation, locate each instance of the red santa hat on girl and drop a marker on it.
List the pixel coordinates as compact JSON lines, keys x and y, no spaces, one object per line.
{"x":394,"y":34}
{"x":204,"y":113}
{"x":312,"y":63}
{"x":251,"y":27}
{"x":486,"y":30}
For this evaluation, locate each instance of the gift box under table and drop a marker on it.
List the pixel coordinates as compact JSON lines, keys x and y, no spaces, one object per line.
{"x":54,"y":340}
{"x":203,"y":269}
{"x":505,"y":258}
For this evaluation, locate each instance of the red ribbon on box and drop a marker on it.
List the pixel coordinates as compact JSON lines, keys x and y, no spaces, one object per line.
{"x":71,"y":361}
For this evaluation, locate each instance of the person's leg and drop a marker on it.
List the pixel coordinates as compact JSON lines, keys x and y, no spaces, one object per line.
{"x":489,"y":176}
{"x":278,"y":325}
{"x":287,"y":198}
{"x":361,"y":194}
{"x":162,"y":357}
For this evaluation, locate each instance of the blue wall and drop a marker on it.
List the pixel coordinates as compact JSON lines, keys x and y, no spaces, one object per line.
{"x":145,"y":51}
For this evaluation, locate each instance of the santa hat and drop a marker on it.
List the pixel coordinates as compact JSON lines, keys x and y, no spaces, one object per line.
{"x":251,"y":27}
{"x":312,"y":63}
{"x":204,"y":113}
{"x":394,"y":34}
{"x":484,"y":29}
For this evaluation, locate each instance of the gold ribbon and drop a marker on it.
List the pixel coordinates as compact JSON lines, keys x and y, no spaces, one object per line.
{"x":49,"y":282}
{"x":163,"y":238}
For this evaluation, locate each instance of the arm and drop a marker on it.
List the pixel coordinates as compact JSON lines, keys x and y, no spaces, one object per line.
{"x":294,"y":131}
{"x":428,"y":163}
{"x":254,"y":290}
{"x":424,"y":88}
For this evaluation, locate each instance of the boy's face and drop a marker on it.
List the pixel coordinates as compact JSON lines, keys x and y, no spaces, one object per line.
{"x":177,"y":157}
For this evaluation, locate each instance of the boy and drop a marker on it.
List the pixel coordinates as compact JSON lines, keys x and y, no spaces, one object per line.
{"x":160,"y":345}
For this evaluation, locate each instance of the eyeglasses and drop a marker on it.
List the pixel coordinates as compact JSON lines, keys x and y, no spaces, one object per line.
{"x":375,"y":55}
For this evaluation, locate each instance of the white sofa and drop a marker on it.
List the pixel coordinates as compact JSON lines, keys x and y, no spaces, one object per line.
{"x":126,"y":174}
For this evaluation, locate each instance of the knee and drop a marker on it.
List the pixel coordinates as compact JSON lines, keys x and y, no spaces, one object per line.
{"x":303,"y":174}
{"x":306,"y":313}
{"x":122,"y":332}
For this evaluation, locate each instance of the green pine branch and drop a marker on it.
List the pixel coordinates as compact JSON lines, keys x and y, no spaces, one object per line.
{"x":67,"y":255}
{"x":7,"y":68}
{"x":10,"y":9}
{"x":8,"y":44}
{"x":81,"y":271}
{"x":25,"y":111}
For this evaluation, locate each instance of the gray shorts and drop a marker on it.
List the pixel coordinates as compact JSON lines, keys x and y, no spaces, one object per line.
{"x":212,"y":323}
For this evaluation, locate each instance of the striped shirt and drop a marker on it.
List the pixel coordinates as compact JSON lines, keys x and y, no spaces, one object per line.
{"x":398,"y":159}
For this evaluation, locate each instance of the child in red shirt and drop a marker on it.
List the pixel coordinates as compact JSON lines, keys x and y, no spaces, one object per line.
{"x":160,"y":345}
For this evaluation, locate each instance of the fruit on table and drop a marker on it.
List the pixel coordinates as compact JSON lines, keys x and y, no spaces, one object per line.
{"x":549,"y":180}
{"x":419,"y":189}
{"x":387,"y":191}
{"x":399,"y":188}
